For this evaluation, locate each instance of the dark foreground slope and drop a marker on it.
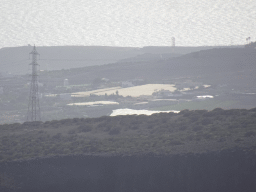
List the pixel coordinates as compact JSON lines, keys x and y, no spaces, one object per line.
{"x":191,"y":151}
{"x":223,"y":171}
{"x":196,"y":131}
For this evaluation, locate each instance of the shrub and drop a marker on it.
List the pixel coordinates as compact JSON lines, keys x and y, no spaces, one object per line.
{"x":249,"y":134}
{"x":176,"y":142}
{"x":65,"y":121}
{"x":206,"y":121}
{"x":72,"y":131}
{"x":201,"y":112}
{"x":114,"y":131}
{"x":182,"y":128}
{"x":197,"y":128}
{"x":107,"y":128}
{"x":190,"y":137}
{"x":76,"y":120}
{"x":134,"y":127}
{"x":85,"y":128}
{"x":41,"y":131}
{"x":194,"y":118}
{"x":185,"y":112}
{"x":57,"y":136}
{"x":207,"y":136}
{"x":253,"y":109}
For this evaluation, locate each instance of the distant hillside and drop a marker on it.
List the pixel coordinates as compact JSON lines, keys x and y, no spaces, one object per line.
{"x":234,"y":66}
{"x":149,"y":57}
{"x":16,"y":59}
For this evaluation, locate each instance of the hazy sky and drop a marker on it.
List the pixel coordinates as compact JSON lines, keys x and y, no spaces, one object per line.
{"x":126,"y":22}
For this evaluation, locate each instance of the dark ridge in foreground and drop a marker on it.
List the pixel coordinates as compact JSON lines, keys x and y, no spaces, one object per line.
{"x":232,"y":170}
{"x":192,"y":151}
{"x":196,"y":131}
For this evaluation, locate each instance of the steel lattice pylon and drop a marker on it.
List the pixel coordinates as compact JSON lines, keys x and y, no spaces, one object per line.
{"x":33,"y":104}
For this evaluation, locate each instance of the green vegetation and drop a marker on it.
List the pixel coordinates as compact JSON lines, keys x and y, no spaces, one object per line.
{"x":165,"y":133}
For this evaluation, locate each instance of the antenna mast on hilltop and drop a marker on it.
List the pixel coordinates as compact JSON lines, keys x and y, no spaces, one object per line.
{"x":173,"y":41}
{"x":173,"y":44}
{"x":33,"y":104}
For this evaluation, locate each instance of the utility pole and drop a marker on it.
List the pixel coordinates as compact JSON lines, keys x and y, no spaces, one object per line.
{"x":173,"y":44}
{"x":173,"y":41}
{"x":33,"y":104}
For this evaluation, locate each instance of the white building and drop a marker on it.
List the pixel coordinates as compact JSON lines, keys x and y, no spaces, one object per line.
{"x":127,"y":84}
{"x":66,"y":83}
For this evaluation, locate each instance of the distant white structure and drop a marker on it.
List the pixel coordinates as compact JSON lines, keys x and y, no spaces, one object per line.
{"x":127,"y":84}
{"x":173,"y":41}
{"x":105,"y":80}
{"x":126,"y":111}
{"x":163,"y":93}
{"x":204,"y":96}
{"x":66,"y":83}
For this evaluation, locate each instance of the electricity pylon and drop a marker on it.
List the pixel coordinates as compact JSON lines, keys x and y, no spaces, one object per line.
{"x":33,"y":104}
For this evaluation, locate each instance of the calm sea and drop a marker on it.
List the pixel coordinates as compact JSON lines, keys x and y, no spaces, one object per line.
{"x":126,"y":22}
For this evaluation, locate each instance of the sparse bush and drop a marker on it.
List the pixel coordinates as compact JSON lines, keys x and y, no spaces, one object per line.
{"x":194,"y":118}
{"x":213,"y":129}
{"x":249,"y":134}
{"x":253,"y":110}
{"x":207,"y":136}
{"x":190,"y":137}
{"x":185,"y":113}
{"x":72,"y":131}
{"x":65,"y":121}
{"x":206,"y":121}
{"x":85,"y":128}
{"x":201,"y":112}
{"x":114,"y":131}
{"x":238,"y":140}
{"x":176,"y":142}
{"x":107,"y":128}
{"x":134,"y":127}
{"x":76,"y":120}
{"x":182,"y":128}
{"x":197,"y":128}
{"x":41,"y":131}
{"x":57,"y":136}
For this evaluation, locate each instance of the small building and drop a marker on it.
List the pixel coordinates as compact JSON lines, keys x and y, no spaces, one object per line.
{"x":162,"y":93}
{"x":127,"y":84}
{"x":66,"y":83}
